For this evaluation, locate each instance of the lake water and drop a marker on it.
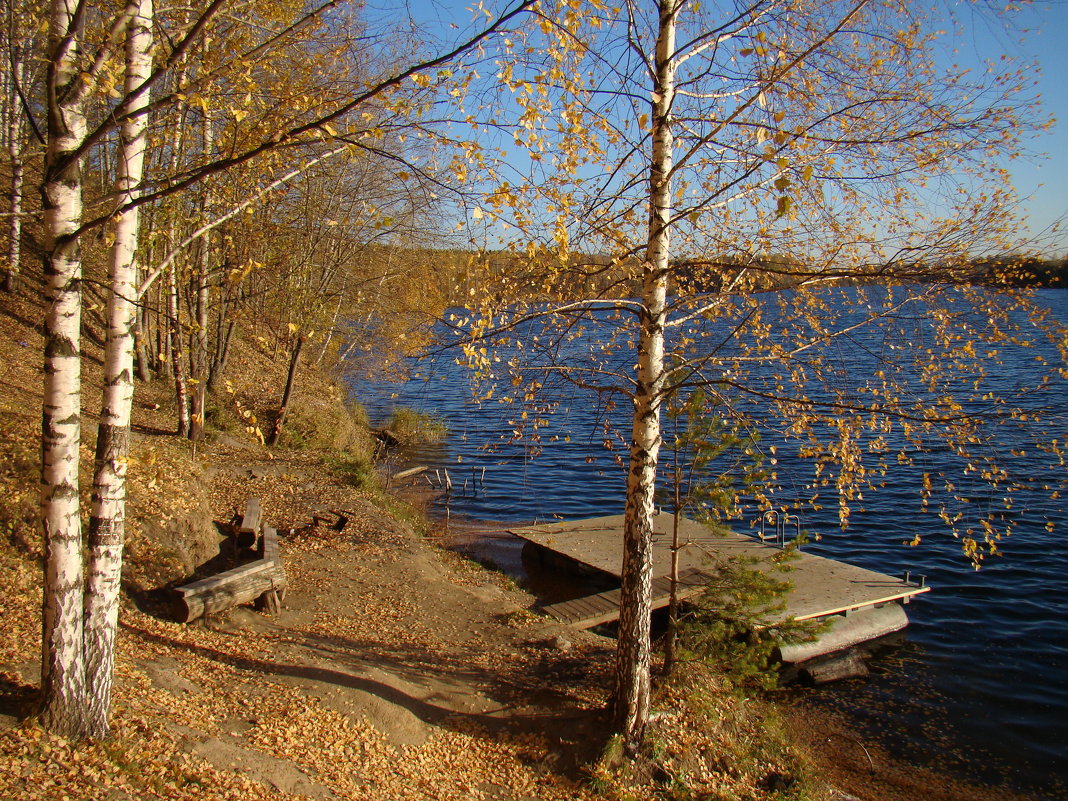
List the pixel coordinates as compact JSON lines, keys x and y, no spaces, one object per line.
{"x":980,"y":684}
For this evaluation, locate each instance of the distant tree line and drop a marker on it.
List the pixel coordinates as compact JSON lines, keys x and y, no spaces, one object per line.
{"x":1028,"y":271}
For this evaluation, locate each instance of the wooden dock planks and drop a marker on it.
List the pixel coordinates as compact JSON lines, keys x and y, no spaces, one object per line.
{"x":603,"y":607}
{"x":821,"y":586}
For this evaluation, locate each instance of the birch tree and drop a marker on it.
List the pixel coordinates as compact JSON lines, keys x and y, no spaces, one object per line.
{"x":630,"y":697}
{"x":667,"y":153}
{"x":78,"y":651}
{"x":13,"y":136}
{"x":62,"y":672}
{"x":108,"y":520}
{"x":19,"y":75}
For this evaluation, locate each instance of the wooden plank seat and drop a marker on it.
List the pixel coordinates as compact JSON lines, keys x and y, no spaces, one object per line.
{"x":248,"y":530}
{"x":261,"y":580}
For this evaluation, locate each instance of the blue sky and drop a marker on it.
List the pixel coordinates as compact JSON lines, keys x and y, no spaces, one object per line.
{"x":1039,"y":34}
{"x":1041,"y":178}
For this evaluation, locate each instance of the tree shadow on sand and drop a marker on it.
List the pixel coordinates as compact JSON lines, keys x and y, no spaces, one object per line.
{"x":525,"y":699}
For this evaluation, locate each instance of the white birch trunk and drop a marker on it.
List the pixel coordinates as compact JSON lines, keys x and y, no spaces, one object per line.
{"x":630,"y":700}
{"x":181,"y":392}
{"x":14,"y":145}
{"x":174,"y":326}
{"x":198,"y":363}
{"x":107,"y":524}
{"x":62,"y":673}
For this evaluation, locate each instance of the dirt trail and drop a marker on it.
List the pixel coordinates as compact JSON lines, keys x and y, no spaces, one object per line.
{"x":392,"y":636}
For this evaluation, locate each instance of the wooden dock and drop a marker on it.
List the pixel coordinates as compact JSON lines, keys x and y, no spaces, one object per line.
{"x":821,"y":587}
{"x":603,"y":607}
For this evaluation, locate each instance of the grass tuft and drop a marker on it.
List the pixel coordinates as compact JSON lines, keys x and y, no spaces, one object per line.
{"x":411,"y":427}
{"x":354,"y":468}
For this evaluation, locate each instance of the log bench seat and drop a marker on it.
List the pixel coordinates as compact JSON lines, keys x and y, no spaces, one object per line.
{"x":261,"y":580}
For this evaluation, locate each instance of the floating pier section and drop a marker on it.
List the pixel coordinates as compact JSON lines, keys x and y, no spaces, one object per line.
{"x":857,"y":604}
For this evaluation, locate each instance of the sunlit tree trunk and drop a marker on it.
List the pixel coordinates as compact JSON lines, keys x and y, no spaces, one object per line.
{"x":14,"y":147}
{"x":108,"y":521}
{"x":63,"y":707}
{"x":198,"y":363}
{"x":181,"y":393}
{"x":630,"y":700}
{"x":173,"y":344}
{"x":287,"y":395}
{"x":163,"y":334}
{"x":149,"y":330}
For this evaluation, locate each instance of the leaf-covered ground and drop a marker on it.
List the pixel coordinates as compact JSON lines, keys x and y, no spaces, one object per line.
{"x":395,"y":670}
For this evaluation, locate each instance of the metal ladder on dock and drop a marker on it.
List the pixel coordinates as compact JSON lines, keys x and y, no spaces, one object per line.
{"x":779,"y":522}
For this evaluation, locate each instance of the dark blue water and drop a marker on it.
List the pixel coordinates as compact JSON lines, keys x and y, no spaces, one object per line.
{"x":981,"y":684}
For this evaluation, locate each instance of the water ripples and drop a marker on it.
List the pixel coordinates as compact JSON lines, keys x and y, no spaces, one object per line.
{"x":984,"y":670}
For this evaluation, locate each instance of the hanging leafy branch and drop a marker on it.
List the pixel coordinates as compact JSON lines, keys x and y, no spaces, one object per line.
{"x":734,"y":197}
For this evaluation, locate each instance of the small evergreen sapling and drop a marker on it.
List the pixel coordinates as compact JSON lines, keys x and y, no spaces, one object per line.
{"x":734,"y":624}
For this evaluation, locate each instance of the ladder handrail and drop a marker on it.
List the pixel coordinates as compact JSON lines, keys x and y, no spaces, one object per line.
{"x":779,"y":522}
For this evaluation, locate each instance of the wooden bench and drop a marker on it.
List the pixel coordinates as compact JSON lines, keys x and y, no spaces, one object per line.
{"x":262,"y":580}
